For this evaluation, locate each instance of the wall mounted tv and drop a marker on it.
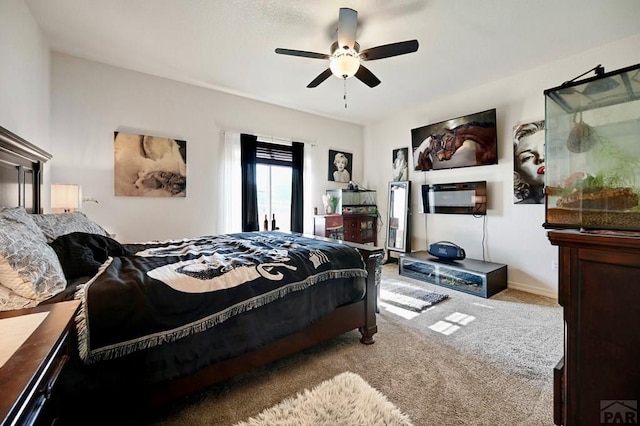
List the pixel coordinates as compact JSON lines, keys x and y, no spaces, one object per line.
{"x":465,"y":141}
{"x":455,"y":198}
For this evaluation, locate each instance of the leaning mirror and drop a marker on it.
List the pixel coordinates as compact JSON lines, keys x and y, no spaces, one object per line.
{"x":398,"y":234}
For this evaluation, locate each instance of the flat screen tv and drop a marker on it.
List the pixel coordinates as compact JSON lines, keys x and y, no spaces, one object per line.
{"x":465,"y":141}
{"x":455,"y":198}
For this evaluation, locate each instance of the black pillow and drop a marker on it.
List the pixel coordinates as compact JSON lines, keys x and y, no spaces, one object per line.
{"x":81,"y":253}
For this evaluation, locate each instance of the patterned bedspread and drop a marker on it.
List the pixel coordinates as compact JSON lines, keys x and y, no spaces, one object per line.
{"x":169,"y":290}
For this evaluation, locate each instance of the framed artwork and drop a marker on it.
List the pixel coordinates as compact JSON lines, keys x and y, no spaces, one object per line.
{"x":528,"y":163}
{"x":470,"y":140}
{"x":149,"y":166}
{"x":340,"y":166}
{"x":400,"y":167}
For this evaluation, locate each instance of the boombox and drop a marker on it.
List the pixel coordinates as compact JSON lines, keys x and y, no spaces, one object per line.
{"x":446,"y":250}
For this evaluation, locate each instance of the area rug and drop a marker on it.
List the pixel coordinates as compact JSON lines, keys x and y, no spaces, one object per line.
{"x":346,"y":399}
{"x":408,"y":296}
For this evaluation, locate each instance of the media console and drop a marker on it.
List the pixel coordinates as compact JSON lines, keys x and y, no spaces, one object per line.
{"x":471,"y":276}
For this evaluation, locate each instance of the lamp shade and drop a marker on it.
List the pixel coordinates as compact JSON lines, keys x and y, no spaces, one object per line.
{"x":66,"y":197}
{"x":344,"y":63}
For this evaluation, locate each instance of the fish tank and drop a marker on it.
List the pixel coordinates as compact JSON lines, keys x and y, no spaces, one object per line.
{"x":355,"y":201}
{"x":592,"y":152}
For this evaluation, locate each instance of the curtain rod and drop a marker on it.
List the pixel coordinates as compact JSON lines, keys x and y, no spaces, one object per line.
{"x":273,"y":139}
{"x":276,"y":140}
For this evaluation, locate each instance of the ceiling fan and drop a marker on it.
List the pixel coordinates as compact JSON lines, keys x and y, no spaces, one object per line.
{"x":345,"y":57}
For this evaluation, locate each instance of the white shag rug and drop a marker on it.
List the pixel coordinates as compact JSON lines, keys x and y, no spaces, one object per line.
{"x":347,"y":399}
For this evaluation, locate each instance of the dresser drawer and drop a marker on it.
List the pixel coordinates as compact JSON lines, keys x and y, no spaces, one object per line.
{"x":40,"y":405}
{"x":30,"y":377}
{"x":43,"y":407}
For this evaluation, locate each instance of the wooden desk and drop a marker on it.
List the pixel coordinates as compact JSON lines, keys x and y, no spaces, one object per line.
{"x":28,"y":378}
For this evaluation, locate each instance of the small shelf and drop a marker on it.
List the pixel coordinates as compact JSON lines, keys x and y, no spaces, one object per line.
{"x":471,"y":276}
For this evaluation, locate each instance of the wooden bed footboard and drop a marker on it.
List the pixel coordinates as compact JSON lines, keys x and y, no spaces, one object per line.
{"x":373,"y":260}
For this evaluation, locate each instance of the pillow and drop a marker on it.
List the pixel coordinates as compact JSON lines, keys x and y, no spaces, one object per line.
{"x":10,"y":301}
{"x":54,"y":225}
{"x":29,"y":268}
{"x":20,"y":215}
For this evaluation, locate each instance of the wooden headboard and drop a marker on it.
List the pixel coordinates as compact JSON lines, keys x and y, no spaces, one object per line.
{"x":21,"y":165}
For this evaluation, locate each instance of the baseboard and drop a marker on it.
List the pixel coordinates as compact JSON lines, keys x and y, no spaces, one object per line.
{"x":534,"y":290}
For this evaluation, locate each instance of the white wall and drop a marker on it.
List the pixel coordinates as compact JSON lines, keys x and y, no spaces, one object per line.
{"x":90,"y":101}
{"x":514,"y":233}
{"x":24,"y":77}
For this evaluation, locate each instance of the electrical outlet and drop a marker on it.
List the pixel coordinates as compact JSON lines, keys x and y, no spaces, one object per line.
{"x":554,"y":265}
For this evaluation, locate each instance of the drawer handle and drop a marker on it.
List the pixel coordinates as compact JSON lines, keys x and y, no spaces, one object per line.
{"x":47,"y":390}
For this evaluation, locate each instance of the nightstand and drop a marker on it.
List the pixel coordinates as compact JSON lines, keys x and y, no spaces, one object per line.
{"x":28,"y":378}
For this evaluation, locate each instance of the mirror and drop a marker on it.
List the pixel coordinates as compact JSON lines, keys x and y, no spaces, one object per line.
{"x":398,"y":234}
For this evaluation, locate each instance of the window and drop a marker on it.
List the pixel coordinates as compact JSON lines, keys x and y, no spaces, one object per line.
{"x":273,"y":182}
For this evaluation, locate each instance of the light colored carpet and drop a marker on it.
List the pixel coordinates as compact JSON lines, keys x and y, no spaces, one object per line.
{"x":490,"y":362}
{"x":345,"y":399}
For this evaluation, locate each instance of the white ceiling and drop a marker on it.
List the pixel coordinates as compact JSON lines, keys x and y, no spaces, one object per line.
{"x":228,"y":45}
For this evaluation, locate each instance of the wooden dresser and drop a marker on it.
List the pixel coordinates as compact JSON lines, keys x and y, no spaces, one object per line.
{"x":28,"y":378}
{"x":361,"y":228}
{"x":357,"y":228}
{"x":598,"y":380}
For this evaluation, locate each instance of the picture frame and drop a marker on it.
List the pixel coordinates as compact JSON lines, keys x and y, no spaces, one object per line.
{"x":149,"y":166}
{"x":340,"y":166}
{"x":466,"y":141}
{"x":400,"y":164}
{"x":529,"y":162}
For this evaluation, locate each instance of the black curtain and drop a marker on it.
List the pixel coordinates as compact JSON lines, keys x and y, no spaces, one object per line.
{"x":249,"y":190}
{"x":297,"y":193}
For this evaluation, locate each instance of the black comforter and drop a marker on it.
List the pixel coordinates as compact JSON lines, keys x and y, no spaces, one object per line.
{"x":147,"y":295}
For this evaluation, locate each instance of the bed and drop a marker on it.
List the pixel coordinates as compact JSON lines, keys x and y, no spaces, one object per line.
{"x":163,"y":319}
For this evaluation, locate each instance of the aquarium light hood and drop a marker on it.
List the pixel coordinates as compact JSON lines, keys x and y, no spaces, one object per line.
{"x":603,"y":89}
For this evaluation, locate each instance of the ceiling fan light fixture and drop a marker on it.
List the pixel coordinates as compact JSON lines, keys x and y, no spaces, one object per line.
{"x":345,"y":58}
{"x":344,"y":63}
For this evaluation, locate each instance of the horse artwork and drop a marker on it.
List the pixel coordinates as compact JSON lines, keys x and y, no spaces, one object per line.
{"x":460,"y":142}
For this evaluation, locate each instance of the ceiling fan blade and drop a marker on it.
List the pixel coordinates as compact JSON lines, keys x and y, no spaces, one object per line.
{"x":367,"y":77}
{"x":303,"y":53}
{"x":319,"y":79}
{"x":347,"y":26}
{"x":389,"y":50}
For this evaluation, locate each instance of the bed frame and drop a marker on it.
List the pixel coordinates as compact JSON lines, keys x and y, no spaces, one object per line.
{"x":21,"y":168}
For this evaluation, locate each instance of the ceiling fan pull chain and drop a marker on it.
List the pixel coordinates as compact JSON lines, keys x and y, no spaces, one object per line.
{"x":345,"y":92}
